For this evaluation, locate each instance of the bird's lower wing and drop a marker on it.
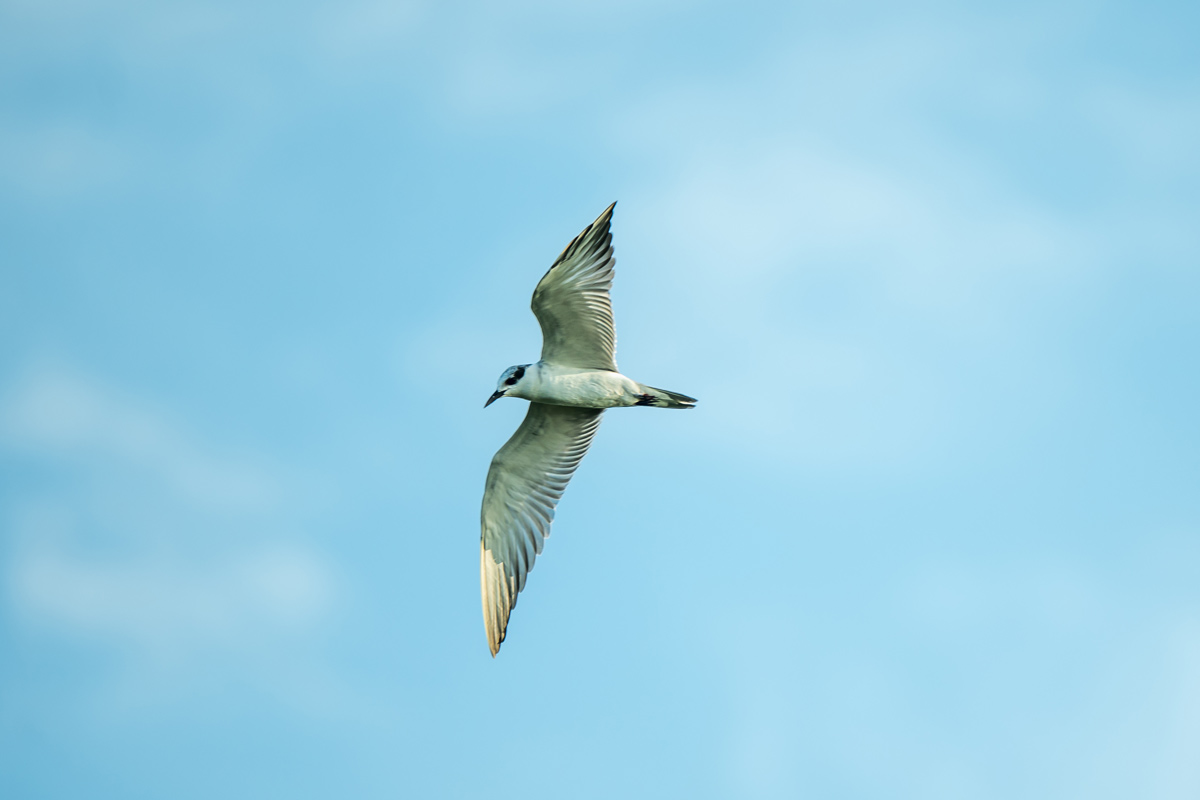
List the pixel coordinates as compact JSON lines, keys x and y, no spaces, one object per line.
{"x":524,"y":484}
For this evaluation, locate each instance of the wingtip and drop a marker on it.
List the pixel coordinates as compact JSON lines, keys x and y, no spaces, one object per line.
{"x":497,"y":604}
{"x":606,"y":214}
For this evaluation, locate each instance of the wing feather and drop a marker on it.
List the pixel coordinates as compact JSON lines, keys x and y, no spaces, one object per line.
{"x":524,"y":484}
{"x":573,"y":305}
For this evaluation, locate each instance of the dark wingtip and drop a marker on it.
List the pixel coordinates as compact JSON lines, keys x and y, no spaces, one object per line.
{"x":606,"y":214}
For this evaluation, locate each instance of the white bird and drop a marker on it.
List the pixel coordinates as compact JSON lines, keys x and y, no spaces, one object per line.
{"x":568,"y":389}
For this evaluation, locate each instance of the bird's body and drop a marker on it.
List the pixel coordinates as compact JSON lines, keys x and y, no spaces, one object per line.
{"x":558,"y":385}
{"x":568,"y":389}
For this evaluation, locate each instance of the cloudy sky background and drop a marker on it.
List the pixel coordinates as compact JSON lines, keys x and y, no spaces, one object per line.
{"x":933,"y":531}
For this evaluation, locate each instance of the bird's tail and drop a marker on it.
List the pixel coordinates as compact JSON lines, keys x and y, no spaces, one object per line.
{"x":661,"y":398}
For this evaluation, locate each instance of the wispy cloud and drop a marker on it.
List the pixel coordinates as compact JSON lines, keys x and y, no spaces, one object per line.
{"x":158,"y":606}
{"x":56,"y":413}
{"x":143,"y":541}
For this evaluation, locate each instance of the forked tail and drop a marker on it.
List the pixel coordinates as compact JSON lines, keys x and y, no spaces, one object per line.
{"x":661,"y":398}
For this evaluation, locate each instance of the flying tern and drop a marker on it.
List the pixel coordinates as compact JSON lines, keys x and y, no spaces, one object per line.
{"x":568,"y":390}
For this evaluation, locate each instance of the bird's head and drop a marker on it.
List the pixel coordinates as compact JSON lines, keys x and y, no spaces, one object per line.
{"x":509,"y":384}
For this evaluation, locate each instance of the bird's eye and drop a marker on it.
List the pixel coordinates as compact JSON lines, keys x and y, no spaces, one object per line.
{"x":510,"y":381}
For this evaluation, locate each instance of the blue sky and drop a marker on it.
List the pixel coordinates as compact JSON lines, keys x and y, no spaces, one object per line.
{"x":931,"y":269}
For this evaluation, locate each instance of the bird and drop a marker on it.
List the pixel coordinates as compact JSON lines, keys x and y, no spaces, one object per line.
{"x":568,"y":389}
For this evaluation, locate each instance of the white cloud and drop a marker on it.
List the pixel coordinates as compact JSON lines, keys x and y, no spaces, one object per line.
{"x":59,"y":161}
{"x":1154,"y":129}
{"x":169,"y":606}
{"x":133,"y":538}
{"x":58,"y":414}
{"x":957,"y":597}
{"x":867,"y":285}
{"x":347,"y":31}
{"x":1178,"y":771}
{"x":931,"y":240}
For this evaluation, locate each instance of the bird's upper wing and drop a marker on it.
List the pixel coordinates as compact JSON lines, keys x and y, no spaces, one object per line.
{"x":572,"y":304}
{"x":526,"y":480}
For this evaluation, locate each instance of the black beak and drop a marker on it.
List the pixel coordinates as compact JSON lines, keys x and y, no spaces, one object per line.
{"x":495,"y":396}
